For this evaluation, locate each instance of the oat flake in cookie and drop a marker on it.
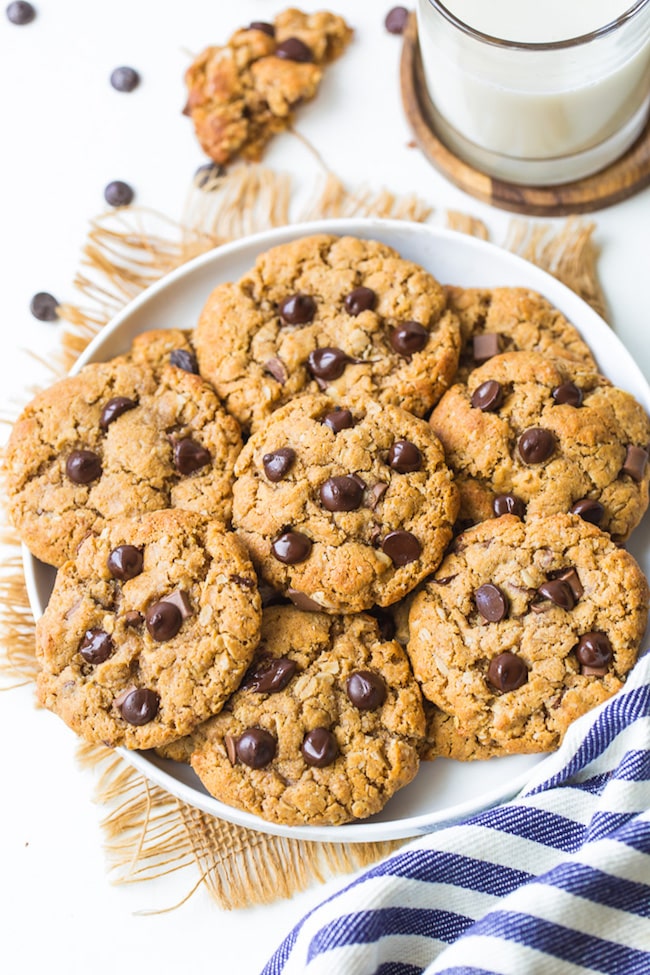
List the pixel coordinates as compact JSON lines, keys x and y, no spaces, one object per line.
{"x":342,"y":509}
{"x":335,"y":314}
{"x":148,"y":630}
{"x":324,"y":728}
{"x":525,"y":626}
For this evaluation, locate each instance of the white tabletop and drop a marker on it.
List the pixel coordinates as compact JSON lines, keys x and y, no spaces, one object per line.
{"x":66,"y":133}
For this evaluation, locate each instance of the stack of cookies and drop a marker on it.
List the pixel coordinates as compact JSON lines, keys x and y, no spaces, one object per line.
{"x":351,"y":520}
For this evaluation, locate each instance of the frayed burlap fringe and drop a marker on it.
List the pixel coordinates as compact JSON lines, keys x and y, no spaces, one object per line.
{"x":148,"y":832}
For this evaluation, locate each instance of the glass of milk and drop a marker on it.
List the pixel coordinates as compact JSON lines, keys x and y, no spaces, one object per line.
{"x":537,"y":92}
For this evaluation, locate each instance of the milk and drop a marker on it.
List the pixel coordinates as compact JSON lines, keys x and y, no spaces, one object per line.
{"x":530,"y":114}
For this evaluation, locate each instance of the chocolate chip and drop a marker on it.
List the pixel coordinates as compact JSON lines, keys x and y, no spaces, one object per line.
{"x":572,"y":579}
{"x":636,"y":459}
{"x":125,"y":562}
{"x":140,"y":706}
{"x":341,"y":493}
{"x":338,"y":420}
{"x":594,"y":650}
{"x":291,"y":547}
{"x":278,"y":463}
{"x":408,"y":338}
{"x":328,"y":363}
{"x":163,"y":620}
{"x":83,"y":466}
{"x":485,"y":346}
{"x":589,"y":510}
{"x":180,"y":599}
{"x":256,"y":748}
{"x":366,"y":690}
{"x":243,"y":581}
{"x":276,"y":368}
{"x":536,"y":445}
{"x":270,"y":675}
{"x":96,"y":646}
{"x":231,"y":748}
{"x":133,"y":618}
{"x":361,"y":299}
{"x":559,"y":593}
{"x":263,"y":26}
{"x":376,"y":493}
{"x":302,"y":601}
{"x":293,"y":49}
{"x":508,"y":504}
{"x":44,"y":306}
{"x":385,"y":622}
{"x":507,"y":672}
{"x":404,"y":457}
{"x":207,"y":176}
{"x":184,"y":360}
{"x":190,"y":456}
{"x":125,"y":79}
{"x":567,"y":393}
{"x":113,"y":408}
{"x":118,"y":193}
{"x":488,"y":396}
{"x":396,"y":20}
{"x":319,"y":748}
{"x":20,"y":13}
{"x":491,"y":602}
{"x":298,"y":309}
{"x":401,"y":547}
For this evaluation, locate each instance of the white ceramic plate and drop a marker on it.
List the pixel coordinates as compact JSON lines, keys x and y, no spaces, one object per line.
{"x":443,"y":791}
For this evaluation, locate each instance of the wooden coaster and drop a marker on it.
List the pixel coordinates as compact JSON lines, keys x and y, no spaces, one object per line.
{"x":622,"y":179}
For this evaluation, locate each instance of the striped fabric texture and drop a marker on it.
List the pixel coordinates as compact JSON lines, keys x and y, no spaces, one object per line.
{"x":556,"y":881}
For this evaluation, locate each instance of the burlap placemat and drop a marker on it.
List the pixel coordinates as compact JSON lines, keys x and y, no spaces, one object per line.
{"x":149,"y":833}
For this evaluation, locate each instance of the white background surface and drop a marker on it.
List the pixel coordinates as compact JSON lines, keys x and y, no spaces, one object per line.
{"x":65,"y":134}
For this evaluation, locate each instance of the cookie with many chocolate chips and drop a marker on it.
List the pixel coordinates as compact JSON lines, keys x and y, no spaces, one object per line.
{"x":496,"y":320}
{"x":524,"y":627}
{"x":338,"y":314}
{"x":242,"y":93}
{"x":324,"y":728}
{"x":342,"y":509}
{"x":149,"y":630}
{"x":136,"y":434}
{"x":531,"y":436}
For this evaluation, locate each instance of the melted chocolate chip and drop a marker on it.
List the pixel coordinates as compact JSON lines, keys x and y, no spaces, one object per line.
{"x":589,"y":510}
{"x":327,"y":364}
{"x":256,"y":748}
{"x":263,"y":26}
{"x":507,"y":672}
{"x":559,"y":592}
{"x":293,"y":49}
{"x":118,"y":193}
{"x":401,"y":547}
{"x":508,"y":504}
{"x":567,"y":393}
{"x":361,"y":299}
{"x":319,"y":748}
{"x":83,"y":466}
{"x":113,"y":408}
{"x":594,"y":650}
{"x":270,"y":675}
{"x":140,"y":706}
{"x":572,"y":579}
{"x":276,"y":368}
{"x":163,"y":620}
{"x":44,"y":307}
{"x":376,"y":493}
{"x":485,"y":346}
{"x":341,"y":494}
{"x":278,"y":463}
{"x":125,"y":562}
{"x":125,"y":79}
{"x":304,"y":602}
{"x":536,"y":445}
{"x":396,"y":20}
{"x":404,"y":457}
{"x":291,"y":547}
{"x":385,"y":622}
{"x":339,"y":419}
{"x":184,"y":360}
{"x":488,"y":396}
{"x":190,"y":456}
{"x":491,"y":602}
{"x":96,"y":646}
{"x":298,"y":309}
{"x":408,"y":338}
{"x":636,"y":459}
{"x":366,"y":690}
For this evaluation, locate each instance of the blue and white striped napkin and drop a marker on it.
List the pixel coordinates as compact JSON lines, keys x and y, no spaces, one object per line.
{"x":556,"y":881}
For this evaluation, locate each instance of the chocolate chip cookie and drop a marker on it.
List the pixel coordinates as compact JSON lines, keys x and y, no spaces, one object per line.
{"x":339,"y":314}
{"x":244,"y":92}
{"x":343,"y":508}
{"x":324,"y":728}
{"x":531,"y":436}
{"x":149,"y":630}
{"x":135,"y":434}
{"x":525,"y":626}
{"x":496,"y":320}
